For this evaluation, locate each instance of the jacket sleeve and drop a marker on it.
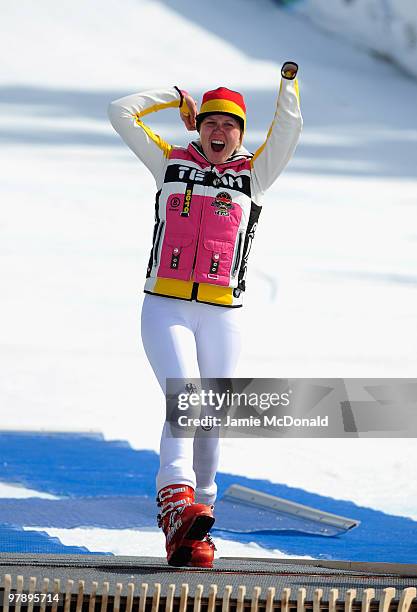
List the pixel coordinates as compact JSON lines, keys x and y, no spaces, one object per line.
{"x":273,"y":155}
{"x":126,"y":116}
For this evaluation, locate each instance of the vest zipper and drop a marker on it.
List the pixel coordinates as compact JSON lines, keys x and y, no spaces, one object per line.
{"x":237,"y":256}
{"x":199,"y":229}
{"x":194,"y":291}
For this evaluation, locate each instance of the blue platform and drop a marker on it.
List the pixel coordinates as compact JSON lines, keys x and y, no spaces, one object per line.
{"x":110,"y":485}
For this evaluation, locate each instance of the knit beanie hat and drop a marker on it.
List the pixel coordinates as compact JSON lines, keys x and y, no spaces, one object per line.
{"x":222,"y":101}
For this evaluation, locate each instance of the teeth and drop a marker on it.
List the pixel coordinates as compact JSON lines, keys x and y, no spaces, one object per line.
{"x":217,"y":141}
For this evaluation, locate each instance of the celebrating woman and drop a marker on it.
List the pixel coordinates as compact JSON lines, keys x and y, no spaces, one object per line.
{"x":207,"y":207}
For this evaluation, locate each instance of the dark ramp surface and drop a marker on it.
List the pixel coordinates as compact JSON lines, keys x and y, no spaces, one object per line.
{"x":280,"y":574}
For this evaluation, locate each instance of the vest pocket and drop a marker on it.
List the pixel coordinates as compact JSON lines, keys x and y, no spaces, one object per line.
{"x":177,"y":257}
{"x":214,"y":262}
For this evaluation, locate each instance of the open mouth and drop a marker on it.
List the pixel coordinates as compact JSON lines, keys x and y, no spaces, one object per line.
{"x":217,"y":145}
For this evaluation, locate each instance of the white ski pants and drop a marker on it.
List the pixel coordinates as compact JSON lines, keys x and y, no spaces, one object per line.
{"x":189,"y":340}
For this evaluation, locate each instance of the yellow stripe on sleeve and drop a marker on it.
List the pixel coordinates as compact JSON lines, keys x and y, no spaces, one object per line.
{"x":157,"y":107}
{"x":262,"y":147}
{"x":297,"y":90}
{"x":160,"y":142}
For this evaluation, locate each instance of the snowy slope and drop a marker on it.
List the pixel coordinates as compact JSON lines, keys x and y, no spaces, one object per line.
{"x":77,"y":209}
{"x":387,"y":27}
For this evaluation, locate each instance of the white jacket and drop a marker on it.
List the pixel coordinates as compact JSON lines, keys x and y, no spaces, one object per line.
{"x":205,"y":215}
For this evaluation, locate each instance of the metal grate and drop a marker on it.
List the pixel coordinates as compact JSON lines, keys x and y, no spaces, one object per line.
{"x":32,"y":594}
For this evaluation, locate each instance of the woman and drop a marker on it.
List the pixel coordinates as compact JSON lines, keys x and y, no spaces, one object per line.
{"x":207,"y":206}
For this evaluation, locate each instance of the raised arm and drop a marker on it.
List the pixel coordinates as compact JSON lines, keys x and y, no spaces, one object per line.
{"x":126,"y":116}
{"x":273,"y":155}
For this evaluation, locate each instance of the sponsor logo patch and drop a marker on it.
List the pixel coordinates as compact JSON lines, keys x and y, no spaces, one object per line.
{"x":223,"y":204}
{"x":174,"y":203}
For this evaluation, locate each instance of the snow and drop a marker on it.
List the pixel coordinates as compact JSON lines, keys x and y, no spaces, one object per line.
{"x":16,"y":491}
{"x":149,"y":543}
{"x":339,"y":298}
{"x":388,"y":27}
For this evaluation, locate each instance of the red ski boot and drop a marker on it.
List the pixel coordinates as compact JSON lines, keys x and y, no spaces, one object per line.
{"x":181,"y":519}
{"x":201,"y":553}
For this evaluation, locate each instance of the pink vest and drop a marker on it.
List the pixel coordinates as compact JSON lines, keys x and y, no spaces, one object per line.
{"x":205,"y":220}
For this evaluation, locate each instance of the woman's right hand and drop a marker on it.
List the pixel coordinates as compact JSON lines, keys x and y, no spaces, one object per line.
{"x":188,"y":111}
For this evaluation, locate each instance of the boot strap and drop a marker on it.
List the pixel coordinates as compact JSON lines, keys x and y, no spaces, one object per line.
{"x":168,"y":492}
{"x":170,"y":506}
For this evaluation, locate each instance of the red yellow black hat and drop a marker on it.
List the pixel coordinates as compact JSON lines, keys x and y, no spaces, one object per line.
{"x":222,"y":101}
